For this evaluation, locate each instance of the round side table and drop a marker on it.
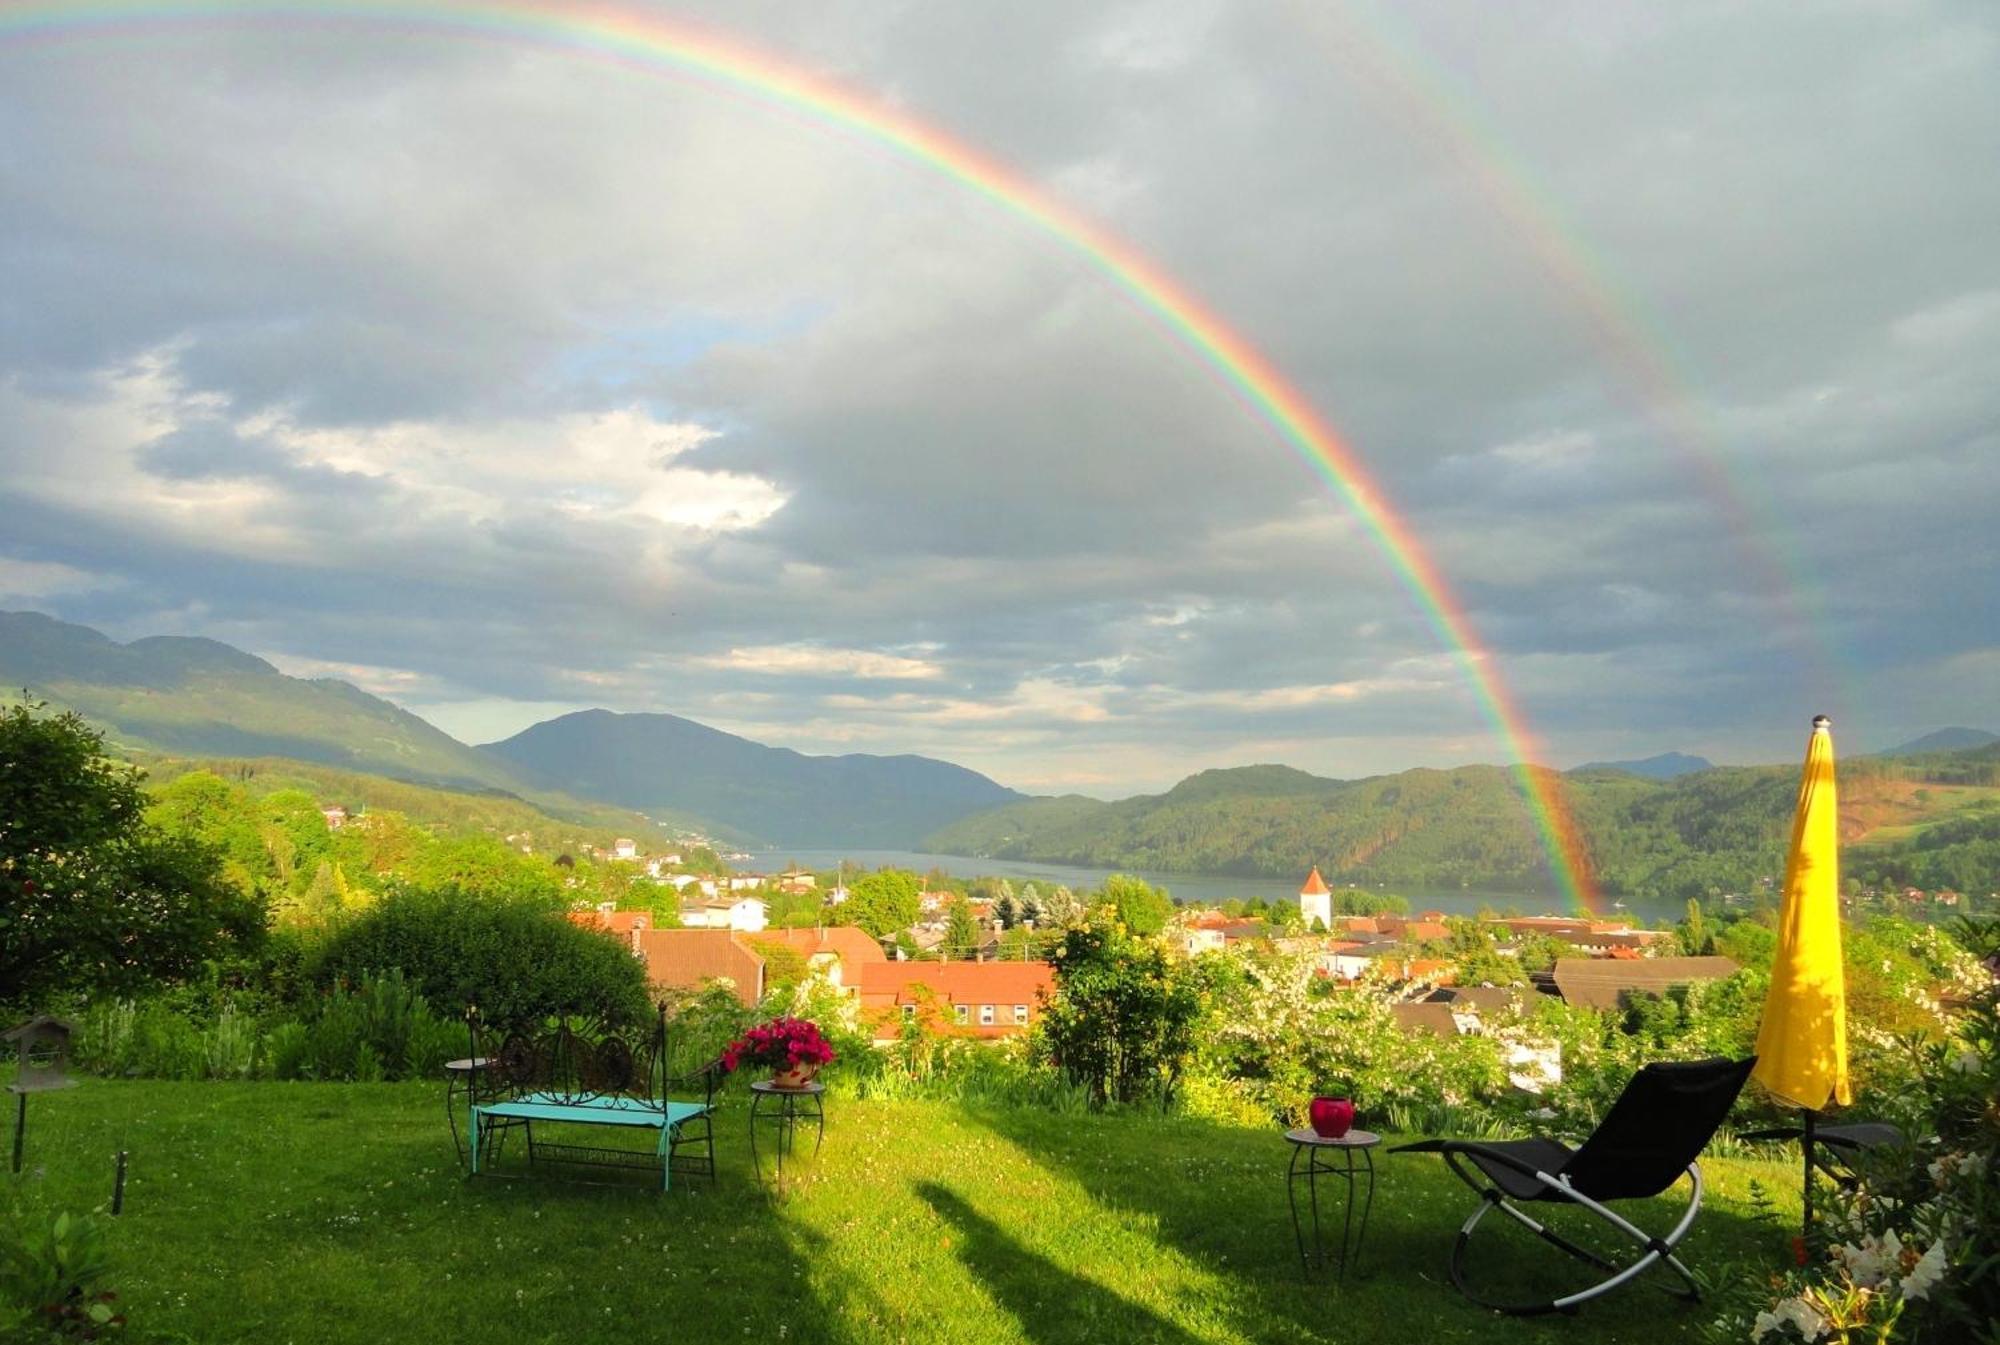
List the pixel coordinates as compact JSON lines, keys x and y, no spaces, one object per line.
{"x":1312,"y":1158}
{"x":783,"y":1109}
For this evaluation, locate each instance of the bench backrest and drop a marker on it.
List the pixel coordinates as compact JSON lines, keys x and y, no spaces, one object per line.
{"x":569,"y":1063}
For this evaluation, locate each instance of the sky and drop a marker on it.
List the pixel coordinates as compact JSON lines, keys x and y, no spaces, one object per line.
{"x":503,"y":382}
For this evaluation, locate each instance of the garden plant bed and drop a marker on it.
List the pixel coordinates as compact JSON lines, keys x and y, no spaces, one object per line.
{"x":335,"y":1212}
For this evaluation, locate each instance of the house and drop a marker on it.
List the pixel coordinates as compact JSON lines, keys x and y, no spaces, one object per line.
{"x":1197,"y":939}
{"x":1593,"y":936}
{"x":745,"y":882}
{"x":625,"y":926}
{"x":624,"y":848}
{"x":1420,"y":930}
{"x":983,"y":999}
{"x":1604,"y":983}
{"x":692,"y":959}
{"x":837,"y":954}
{"x":748,"y":914}
{"x":335,"y":815}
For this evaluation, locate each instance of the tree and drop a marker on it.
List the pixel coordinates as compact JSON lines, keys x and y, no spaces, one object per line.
{"x":1122,"y":1022}
{"x":961,"y":931}
{"x":1004,"y":912}
{"x":92,"y":895}
{"x":1143,"y":908}
{"x":883,"y":902}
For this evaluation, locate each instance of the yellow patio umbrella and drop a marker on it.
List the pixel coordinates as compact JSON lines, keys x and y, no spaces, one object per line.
{"x":1802,"y":1043}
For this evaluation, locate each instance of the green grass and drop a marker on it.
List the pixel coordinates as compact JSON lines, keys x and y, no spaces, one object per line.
{"x":325,"y":1213}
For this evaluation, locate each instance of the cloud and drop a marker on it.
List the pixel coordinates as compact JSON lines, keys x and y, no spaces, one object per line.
{"x":517,"y":381}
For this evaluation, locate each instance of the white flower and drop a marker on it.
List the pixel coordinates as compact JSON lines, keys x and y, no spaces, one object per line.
{"x":1794,"y":1312}
{"x":1869,"y":1264}
{"x":1923,"y":1276}
{"x":1966,"y":1062}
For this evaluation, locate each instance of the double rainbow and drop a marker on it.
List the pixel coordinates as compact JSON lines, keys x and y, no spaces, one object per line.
{"x":647,"y":43}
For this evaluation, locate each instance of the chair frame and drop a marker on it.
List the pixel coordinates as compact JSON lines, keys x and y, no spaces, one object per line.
{"x":1653,"y":1249}
{"x":1557,"y":1187}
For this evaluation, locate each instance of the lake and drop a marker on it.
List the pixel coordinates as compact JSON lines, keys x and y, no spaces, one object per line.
{"x":1206,"y":889}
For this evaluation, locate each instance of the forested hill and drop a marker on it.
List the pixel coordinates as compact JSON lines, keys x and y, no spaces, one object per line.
{"x":658,"y":763}
{"x":1722,"y":829}
{"x":201,"y":697}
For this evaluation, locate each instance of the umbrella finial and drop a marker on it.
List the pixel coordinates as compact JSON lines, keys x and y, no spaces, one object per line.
{"x":1822,"y":722}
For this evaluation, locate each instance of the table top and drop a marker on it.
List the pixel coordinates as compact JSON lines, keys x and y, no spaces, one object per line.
{"x":766,"y":1086}
{"x":1353,"y":1139}
{"x":467,"y":1065}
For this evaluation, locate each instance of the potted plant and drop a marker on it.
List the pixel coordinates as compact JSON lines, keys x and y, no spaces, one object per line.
{"x":792,"y":1048}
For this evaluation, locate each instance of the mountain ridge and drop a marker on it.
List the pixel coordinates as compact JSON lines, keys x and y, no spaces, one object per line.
{"x":774,"y":794}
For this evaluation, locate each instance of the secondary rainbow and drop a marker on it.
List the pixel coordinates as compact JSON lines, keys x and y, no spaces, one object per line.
{"x":1630,"y":337}
{"x":649,"y":43}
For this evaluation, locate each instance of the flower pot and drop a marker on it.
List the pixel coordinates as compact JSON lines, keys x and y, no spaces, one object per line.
{"x":1331,"y":1116}
{"x":798,"y":1076}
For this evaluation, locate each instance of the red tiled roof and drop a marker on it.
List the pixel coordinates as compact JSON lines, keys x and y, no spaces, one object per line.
{"x":687,"y":959}
{"x":854,"y":947}
{"x":1315,"y":885}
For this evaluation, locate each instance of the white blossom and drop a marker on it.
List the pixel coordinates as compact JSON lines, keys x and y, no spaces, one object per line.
{"x":1795,"y":1312}
{"x":1870,"y":1263}
{"x":1923,"y":1277}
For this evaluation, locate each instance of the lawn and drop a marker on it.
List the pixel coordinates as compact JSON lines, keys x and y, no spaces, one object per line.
{"x":327,"y":1212}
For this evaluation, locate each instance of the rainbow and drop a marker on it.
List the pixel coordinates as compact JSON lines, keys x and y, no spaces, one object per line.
{"x":645,"y":42}
{"x":1628,"y":336}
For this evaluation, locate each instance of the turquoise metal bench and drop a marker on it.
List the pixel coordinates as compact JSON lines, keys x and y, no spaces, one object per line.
{"x":571,"y":1077}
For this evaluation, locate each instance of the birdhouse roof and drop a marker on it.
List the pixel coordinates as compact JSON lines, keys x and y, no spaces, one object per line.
{"x":37,"y":1024}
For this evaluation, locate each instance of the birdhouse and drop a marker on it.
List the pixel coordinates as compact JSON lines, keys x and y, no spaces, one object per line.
{"x":42,"y":1046}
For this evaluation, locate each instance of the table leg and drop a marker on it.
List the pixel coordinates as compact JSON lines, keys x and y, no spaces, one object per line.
{"x":1367,"y":1206}
{"x":1292,"y":1199}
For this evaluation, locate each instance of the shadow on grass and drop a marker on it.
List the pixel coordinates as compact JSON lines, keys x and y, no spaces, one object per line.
{"x":1049,"y":1304}
{"x":1217,"y":1195}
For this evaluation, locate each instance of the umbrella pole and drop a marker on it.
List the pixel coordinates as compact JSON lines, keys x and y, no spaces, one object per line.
{"x":1806,"y":1147}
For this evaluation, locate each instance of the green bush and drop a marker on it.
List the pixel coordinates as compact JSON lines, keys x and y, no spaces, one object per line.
{"x":517,"y":958}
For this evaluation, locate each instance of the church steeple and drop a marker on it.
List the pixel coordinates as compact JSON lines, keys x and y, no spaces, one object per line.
{"x":1316,"y":901}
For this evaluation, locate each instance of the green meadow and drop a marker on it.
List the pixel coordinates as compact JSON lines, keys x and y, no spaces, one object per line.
{"x":336,"y":1212}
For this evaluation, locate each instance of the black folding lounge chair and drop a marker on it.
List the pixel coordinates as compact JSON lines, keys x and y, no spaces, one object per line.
{"x":1842,"y":1152}
{"x":1651,"y":1136}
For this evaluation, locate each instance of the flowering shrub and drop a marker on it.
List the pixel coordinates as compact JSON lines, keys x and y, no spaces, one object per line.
{"x":781,"y":1044}
{"x":1913,"y":1252}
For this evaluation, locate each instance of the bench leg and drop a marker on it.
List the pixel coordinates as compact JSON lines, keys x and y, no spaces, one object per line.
{"x":475,"y":1141}
{"x":667,"y":1136}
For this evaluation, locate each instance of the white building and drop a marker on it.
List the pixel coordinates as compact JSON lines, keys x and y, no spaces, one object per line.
{"x":625,"y":848}
{"x":1316,"y":901}
{"x":745,"y":914}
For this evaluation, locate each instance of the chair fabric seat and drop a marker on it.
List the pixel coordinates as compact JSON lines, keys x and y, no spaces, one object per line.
{"x":1861,"y":1135}
{"x":1545,"y":1155}
{"x":618,"y":1111}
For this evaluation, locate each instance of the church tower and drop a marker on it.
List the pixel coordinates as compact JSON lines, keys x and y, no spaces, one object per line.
{"x":1316,"y":901}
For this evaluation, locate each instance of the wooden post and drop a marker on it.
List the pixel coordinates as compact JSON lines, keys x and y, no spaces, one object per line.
{"x":118,"y":1187}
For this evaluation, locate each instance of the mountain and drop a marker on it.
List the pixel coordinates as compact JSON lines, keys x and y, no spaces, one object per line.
{"x":1665,"y":766}
{"x":194,"y":696}
{"x":657,"y":763}
{"x":1721,"y":829}
{"x":1945,"y":740}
